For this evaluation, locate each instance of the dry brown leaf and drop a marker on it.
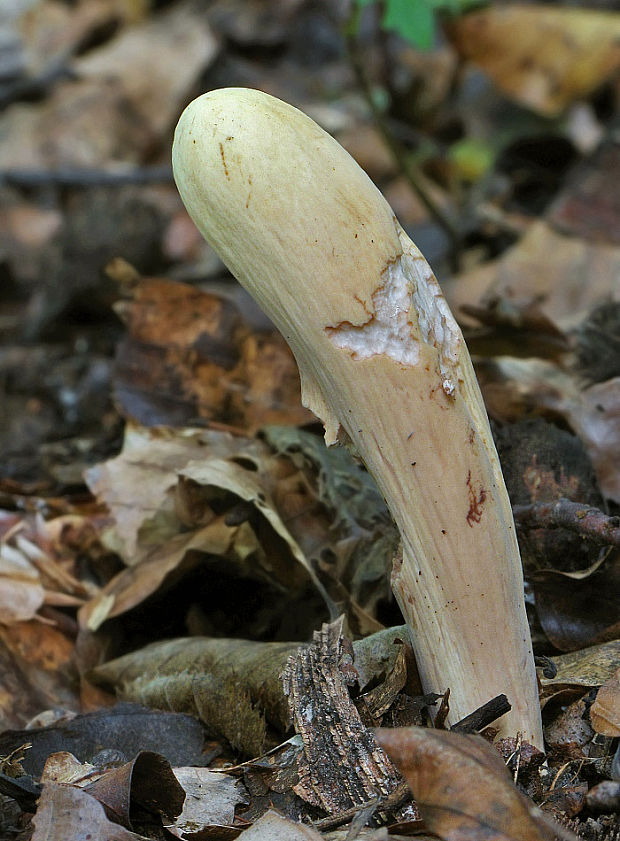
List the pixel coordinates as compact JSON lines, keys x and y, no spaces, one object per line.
{"x":605,"y":711}
{"x":128,"y":94}
{"x":231,"y":685}
{"x":578,"y":671}
{"x":159,"y":491}
{"x":543,"y":57}
{"x":462,"y":787}
{"x":70,"y":813}
{"x":190,"y":354}
{"x":35,"y":671}
{"x":21,"y":591}
{"x":138,"y":485}
{"x":567,"y":736}
{"x":578,"y":275}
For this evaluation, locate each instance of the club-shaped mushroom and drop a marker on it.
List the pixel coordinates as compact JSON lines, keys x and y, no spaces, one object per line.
{"x":384,"y":365}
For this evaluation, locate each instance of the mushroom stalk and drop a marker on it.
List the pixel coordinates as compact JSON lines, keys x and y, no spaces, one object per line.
{"x":384,"y":365}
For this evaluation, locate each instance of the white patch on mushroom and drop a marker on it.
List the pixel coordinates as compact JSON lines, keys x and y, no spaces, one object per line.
{"x":409,"y":294}
{"x":435,"y":321}
{"x":388,"y":330}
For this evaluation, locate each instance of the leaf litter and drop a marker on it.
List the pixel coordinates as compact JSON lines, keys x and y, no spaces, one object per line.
{"x":215,"y":534}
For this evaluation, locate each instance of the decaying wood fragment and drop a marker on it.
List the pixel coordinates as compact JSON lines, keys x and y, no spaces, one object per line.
{"x":342,"y":765}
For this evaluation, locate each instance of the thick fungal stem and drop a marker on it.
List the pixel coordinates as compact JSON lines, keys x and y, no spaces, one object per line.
{"x":381,"y":359}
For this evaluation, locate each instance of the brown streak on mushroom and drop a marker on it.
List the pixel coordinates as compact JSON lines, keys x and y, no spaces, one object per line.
{"x":476,"y":501}
{"x":226,"y":173}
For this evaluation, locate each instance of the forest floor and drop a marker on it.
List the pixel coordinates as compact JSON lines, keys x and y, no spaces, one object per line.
{"x":181,"y":557}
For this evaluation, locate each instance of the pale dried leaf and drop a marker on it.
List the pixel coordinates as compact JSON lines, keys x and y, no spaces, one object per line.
{"x":584,"y":669}
{"x":210,"y":800}
{"x":275,"y":827}
{"x":63,"y":767}
{"x":137,"y":484}
{"x":155,"y":62}
{"x":543,"y":57}
{"x":578,"y":275}
{"x":21,"y":591}
{"x":127,"y":95}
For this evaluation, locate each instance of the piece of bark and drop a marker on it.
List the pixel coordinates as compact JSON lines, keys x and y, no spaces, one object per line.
{"x":342,"y":766}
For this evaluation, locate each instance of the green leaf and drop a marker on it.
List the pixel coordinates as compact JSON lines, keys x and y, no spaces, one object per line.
{"x":413,"y":20}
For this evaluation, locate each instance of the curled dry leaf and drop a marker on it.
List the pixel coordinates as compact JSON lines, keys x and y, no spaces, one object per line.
{"x":605,"y":711}
{"x":147,"y":781}
{"x":543,"y":57}
{"x":70,"y":813}
{"x":462,"y":787}
{"x":176,"y":475}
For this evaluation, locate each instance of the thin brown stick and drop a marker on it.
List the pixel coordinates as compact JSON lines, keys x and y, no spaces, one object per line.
{"x":591,"y":523}
{"x":398,"y":152}
{"x":483,"y":716}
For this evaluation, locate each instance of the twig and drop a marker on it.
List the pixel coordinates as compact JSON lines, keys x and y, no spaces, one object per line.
{"x":36,"y":87}
{"x":395,"y":799}
{"x":398,"y":151}
{"x":483,"y":716}
{"x":68,"y":177}
{"x":591,"y":523}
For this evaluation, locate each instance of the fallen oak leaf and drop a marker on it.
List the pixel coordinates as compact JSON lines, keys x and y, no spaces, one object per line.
{"x":463,"y":789}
